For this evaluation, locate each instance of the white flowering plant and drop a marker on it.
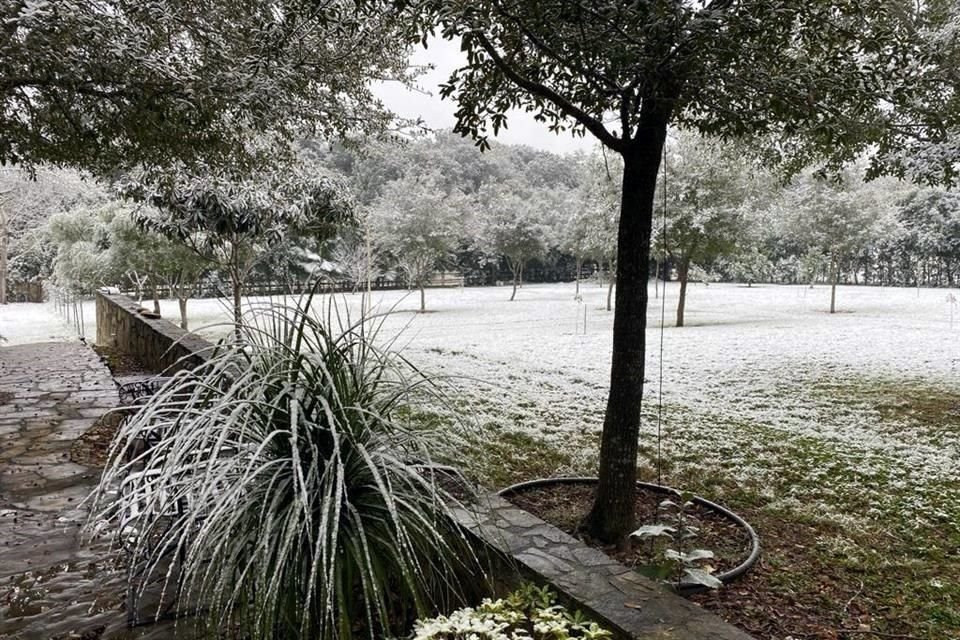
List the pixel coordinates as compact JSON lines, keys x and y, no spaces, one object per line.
{"x":530,"y":613}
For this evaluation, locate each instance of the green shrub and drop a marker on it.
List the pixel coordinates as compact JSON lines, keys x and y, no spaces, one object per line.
{"x":307,"y":513}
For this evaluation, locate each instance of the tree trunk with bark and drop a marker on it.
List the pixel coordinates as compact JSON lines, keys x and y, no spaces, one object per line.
{"x":236,"y":281}
{"x":683,"y":275}
{"x":610,"y":290}
{"x":3,"y":253}
{"x":579,"y":262}
{"x":612,"y":518}
{"x":423,"y":297}
{"x":182,"y":302}
{"x":515,"y":272}
{"x":834,"y":276}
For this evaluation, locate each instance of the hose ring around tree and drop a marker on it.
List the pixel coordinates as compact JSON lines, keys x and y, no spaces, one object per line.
{"x":725,"y":577}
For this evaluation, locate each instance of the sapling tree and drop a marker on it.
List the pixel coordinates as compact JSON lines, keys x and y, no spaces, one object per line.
{"x":602,"y":195}
{"x":834,"y":219}
{"x":750,"y":265}
{"x":235,"y":224}
{"x":709,"y":185}
{"x":800,"y":72}
{"x":511,"y":225}
{"x":418,"y":222}
{"x":142,"y":253}
{"x":356,"y":257}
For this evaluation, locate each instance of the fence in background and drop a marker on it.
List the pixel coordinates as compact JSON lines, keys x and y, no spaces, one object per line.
{"x":68,"y":306}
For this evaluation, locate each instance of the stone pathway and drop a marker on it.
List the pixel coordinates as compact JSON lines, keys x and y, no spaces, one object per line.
{"x":52,"y":586}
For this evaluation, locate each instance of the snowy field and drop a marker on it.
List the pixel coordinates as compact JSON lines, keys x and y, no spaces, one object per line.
{"x":25,"y":322}
{"x":763,"y":385}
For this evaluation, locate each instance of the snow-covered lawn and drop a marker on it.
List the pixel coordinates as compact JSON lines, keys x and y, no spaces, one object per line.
{"x":763,"y":384}
{"x":26,"y":322}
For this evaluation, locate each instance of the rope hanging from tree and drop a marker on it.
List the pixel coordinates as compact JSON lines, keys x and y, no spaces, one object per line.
{"x":663,"y":311}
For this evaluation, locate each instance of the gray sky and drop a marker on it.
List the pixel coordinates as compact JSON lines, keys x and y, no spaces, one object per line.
{"x":438,"y":114}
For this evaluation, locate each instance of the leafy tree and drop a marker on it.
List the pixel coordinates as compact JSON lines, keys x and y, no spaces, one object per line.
{"x":750,"y":265}
{"x":804,"y":73}
{"x":925,"y":145}
{"x":511,"y":225}
{"x":704,"y":199}
{"x":931,"y":221}
{"x":83,"y":261}
{"x":593,"y":229}
{"x":834,"y":220}
{"x":418,"y":222}
{"x":122,"y":83}
{"x":236,"y":224}
{"x":25,"y":207}
{"x":139,"y":252}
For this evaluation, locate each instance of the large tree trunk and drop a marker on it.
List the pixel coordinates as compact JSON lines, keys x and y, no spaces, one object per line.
{"x":683,"y":275}
{"x":515,"y":271}
{"x":612,"y":518}
{"x":610,"y":290}
{"x":423,"y":298}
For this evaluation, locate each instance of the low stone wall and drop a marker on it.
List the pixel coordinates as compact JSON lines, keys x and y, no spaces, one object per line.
{"x":157,"y":343}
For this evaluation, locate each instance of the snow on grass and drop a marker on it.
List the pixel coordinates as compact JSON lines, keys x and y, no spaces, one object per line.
{"x":762,"y":384}
{"x":26,"y":322}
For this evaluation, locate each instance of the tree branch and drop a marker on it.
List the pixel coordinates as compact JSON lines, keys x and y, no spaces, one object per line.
{"x":590,"y":123}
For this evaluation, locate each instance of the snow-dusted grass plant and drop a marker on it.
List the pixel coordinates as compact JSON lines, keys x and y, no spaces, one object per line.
{"x":306,"y":512}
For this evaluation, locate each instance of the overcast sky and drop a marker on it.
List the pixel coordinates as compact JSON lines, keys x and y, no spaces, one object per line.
{"x":438,"y":114}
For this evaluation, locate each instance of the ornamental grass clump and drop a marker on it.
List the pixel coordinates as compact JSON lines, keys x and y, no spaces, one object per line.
{"x":280,"y":473}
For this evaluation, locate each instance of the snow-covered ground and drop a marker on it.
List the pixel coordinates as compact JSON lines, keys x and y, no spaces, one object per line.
{"x":761,"y":382}
{"x":25,"y":322}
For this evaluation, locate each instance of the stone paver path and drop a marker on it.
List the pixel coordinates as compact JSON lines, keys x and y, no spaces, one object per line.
{"x":51,"y":585}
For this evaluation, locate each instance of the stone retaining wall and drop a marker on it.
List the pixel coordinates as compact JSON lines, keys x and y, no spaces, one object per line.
{"x":157,"y":343}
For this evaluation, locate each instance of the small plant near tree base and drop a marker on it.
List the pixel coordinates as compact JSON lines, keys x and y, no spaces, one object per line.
{"x":307,"y":510}
{"x":530,"y":613}
{"x":677,"y":564}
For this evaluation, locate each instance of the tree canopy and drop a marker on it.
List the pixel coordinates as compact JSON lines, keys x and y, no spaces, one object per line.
{"x":114,"y":84}
{"x":236,"y":224}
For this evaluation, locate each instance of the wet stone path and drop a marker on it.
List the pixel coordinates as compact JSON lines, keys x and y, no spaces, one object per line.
{"x":51,"y":585}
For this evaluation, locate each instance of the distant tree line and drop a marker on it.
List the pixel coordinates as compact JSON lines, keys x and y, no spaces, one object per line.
{"x":510,"y":215}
